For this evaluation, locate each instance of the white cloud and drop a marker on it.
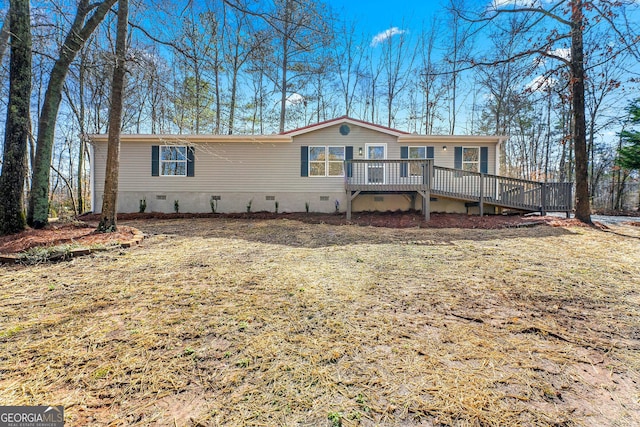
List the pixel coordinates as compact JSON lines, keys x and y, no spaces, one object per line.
{"x":502,"y":4}
{"x":564,"y":53}
{"x":499,"y":4}
{"x":386,"y":34}
{"x":295,"y":99}
{"x":540,"y":84}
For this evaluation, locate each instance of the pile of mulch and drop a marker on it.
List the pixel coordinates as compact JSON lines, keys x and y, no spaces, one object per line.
{"x":80,"y":233}
{"x":83,"y":232}
{"x":398,"y":219}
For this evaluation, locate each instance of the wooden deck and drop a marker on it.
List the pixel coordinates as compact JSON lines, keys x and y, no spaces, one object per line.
{"x":422,"y":177}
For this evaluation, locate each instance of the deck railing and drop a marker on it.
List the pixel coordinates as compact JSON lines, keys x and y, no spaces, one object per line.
{"x":388,"y":175}
{"x":503,"y":191}
{"x":421,"y":175}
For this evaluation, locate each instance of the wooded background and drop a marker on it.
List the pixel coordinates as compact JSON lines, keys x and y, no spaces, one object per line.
{"x":259,"y":67}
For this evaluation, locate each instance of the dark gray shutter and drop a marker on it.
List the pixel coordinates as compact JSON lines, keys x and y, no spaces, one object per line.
{"x":191,"y":161}
{"x":155,"y":160}
{"x":457,"y":157}
{"x":304,"y":161}
{"x":348,"y":155}
{"x":484,"y":159}
{"x":404,"y":167}
{"x":430,"y":153}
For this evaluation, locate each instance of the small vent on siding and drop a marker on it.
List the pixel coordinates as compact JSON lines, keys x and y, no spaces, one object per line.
{"x":270,"y":197}
{"x":378,"y":199}
{"x":161,"y":197}
{"x":216,"y":198}
{"x":324,"y":198}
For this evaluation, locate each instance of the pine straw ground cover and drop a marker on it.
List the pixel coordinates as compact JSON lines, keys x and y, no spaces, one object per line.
{"x":276,"y":322}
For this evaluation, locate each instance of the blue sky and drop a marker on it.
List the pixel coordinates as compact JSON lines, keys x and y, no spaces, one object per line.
{"x":375,"y":16}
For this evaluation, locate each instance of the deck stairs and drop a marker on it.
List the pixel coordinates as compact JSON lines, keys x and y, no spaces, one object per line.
{"x":422,"y":177}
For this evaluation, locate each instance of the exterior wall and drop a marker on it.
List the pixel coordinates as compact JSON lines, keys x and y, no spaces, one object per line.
{"x":403,"y":202}
{"x":240,"y":171}
{"x":200,"y":202}
{"x":445,"y":158}
{"x":358,"y":137}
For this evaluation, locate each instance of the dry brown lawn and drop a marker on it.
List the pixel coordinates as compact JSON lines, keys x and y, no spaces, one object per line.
{"x":233,"y":322}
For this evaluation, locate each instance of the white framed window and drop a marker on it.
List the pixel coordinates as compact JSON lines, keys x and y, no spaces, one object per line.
{"x":173,"y":160}
{"x":471,"y":159}
{"x":326,"y":160}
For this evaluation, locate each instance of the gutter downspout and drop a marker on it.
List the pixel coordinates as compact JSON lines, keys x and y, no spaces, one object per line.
{"x":92,"y":175}
{"x":501,"y":140}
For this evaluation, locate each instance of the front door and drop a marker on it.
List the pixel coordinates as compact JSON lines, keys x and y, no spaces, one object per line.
{"x":376,"y":171}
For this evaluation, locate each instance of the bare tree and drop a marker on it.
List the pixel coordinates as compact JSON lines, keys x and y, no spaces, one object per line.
{"x":196,"y":96}
{"x":397,"y":63}
{"x":239,"y":47}
{"x":300,"y":27}
{"x":83,"y":25}
{"x":108,"y":220}
{"x":348,"y":56}
{"x":565,"y":21}
{"x":457,"y":46}
{"x":430,"y":77}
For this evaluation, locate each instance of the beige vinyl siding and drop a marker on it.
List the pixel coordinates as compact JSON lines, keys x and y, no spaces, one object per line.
{"x":248,"y":170}
{"x":358,"y":137}
{"x":239,"y":166}
{"x":252,"y":166}
{"x":219,"y":167}
{"x":446,"y":158}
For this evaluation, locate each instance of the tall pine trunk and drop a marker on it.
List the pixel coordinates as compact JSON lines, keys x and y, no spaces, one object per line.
{"x":583,"y":205}
{"x":14,"y":168}
{"x":110,"y":199}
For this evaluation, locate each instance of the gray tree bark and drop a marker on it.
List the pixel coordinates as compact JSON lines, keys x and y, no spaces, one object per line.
{"x":583,"y":204}
{"x":108,"y":221}
{"x":14,"y":168}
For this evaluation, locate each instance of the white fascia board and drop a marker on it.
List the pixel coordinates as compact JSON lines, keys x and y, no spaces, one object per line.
{"x":450,"y":139}
{"x":194,"y":139}
{"x":344,"y":120}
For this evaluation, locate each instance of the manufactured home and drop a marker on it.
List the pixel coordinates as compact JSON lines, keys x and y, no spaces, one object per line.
{"x":342,"y":164}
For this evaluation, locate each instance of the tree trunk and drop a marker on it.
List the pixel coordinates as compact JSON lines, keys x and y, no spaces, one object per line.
{"x":232,"y":101}
{"x":38,"y":211}
{"x":109,"y":202}
{"x":81,"y":150}
{"x":583,"y":206}
{"x":17,"y":126}
{"x":283,"y":90}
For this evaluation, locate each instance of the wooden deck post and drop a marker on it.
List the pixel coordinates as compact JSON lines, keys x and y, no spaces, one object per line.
{"x":543,"y":198}
{"x":427,"y":205}
{"x":350,"y":197}
{"x":481,"y":194}
{"x":427,"y":180}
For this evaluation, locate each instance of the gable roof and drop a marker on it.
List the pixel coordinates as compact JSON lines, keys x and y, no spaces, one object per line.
{"x":347,"y":120}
